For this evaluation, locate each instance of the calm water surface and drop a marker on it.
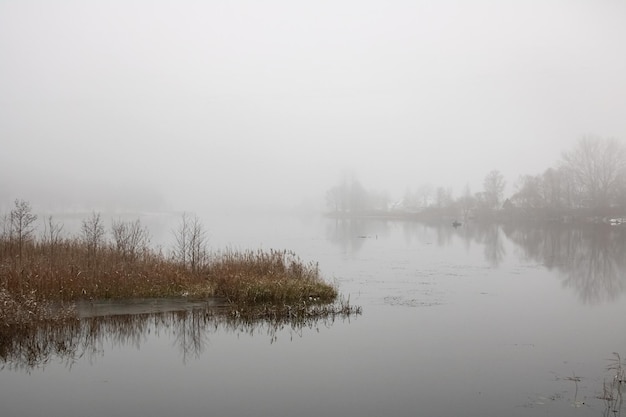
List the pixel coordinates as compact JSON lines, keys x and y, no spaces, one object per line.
{"x":473,"y":321}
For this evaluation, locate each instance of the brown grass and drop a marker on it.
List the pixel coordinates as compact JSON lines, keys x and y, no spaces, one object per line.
{"x":69,"y":270}
{"x":25,"y":310}
{"x":45,"y":272}
{"x":274,"y":277}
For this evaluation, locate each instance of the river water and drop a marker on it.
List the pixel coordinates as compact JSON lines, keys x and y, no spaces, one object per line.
{"x":473,"y":321}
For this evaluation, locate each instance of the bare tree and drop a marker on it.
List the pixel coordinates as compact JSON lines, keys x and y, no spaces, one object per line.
{"x":93,"y":234}
{"x":197,"y":244}
{"x":334,"y":199}
{"x":191,"y":243}
{"x":466,"y":203}
{"x":52,"y":231}
{"x":556,"y":188}
{"x":493,"y":186}
{"x":52,"y":235}
{"x":598,"y":167}
{"x":21,"y":225}
{"x":443,"y":197}
{"x":131,"y":238}
{"x":181,"y":236}
{"x":423,"y":195}
{"x":530,"y":192}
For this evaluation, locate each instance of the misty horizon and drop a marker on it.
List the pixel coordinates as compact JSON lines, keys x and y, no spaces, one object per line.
{"x":193,"y":105}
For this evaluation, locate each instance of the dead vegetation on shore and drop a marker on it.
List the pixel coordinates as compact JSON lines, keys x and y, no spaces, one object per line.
{"x":42,"y":276}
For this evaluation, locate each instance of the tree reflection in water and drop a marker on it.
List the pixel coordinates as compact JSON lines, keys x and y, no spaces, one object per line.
{"x":589,"y":257}
{"x":69,"y":341}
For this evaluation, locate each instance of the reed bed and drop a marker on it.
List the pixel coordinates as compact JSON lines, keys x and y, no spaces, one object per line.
{"x":37,"y":275}
{"x":69,"y":270}
{"x":25,"y":310}
{"x":72,"y":273}
{"x":276,"y":278}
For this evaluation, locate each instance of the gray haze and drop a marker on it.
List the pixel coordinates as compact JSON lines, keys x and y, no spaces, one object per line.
{"x":194,"y":104}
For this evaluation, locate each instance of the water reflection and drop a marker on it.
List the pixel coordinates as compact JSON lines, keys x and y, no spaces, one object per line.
{"x":351,"y":234}
{"x":589,"y":258}
{"x":490,"y":236}
{"x":86,"y":338}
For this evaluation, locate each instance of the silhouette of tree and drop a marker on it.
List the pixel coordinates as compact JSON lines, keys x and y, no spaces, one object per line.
{"x":597,"y":166}
{"x":530,"y":193}
{"x":21,"y":225}
{"x":466,"y":203}
{"x":493,"y":189}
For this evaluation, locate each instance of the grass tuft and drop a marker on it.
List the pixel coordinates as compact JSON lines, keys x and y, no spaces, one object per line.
{"x":274,"y":277}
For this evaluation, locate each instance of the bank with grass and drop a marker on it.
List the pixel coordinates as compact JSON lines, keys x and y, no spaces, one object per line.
{"x":41,"y":278}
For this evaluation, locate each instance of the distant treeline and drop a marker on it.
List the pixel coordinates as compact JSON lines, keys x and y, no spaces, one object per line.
{"x":588,"y":182}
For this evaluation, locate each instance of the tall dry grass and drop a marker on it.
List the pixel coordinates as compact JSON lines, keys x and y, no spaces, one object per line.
{"x":70,"y":269}
{"x":55,"y":269}
{"x":64,"y":271}
{"x":261,"y":277}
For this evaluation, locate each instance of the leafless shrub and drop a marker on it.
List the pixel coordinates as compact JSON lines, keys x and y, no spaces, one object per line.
{"x":93,"y":231}
{"x":93,"y":237}
{"x":21,"y":225}
{"x":191,"y":243}
{"x":130,"y":238}
{"x":51,"y":236}
{"x":52,"y":231}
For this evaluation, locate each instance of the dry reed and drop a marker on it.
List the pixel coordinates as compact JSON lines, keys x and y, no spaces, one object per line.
{"x":50,"y":271}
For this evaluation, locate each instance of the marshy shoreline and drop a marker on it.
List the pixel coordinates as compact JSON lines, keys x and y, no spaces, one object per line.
{"x":51,"y":278}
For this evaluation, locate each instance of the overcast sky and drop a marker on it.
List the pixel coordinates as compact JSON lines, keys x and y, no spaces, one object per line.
{"x":265,"y":102}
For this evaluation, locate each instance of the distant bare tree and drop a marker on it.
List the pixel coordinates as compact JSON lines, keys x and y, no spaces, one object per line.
{"x":197,"y":244}
{"x":423,"y":195}
{"x":131,"y":238}
{"x":357,"y":197}
{"x":443,"y":197}
{"x":52,"y":231}
{"x":530,"y":192}
{"x":466,"y":203}
{"x":334,"y":199}
{"x":349,"y":197}
{"x":52,"y":235}
{"x":191,"y":243}
{"x":21,"y":225}
{"x":598,"y":167}
{"x":93,"y":234}
{"x":181,"y":236}
{"x":493,"y":186}
{"x":556,"y":188}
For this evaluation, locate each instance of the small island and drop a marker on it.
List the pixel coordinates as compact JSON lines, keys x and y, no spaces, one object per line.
{"x":43,"y":277}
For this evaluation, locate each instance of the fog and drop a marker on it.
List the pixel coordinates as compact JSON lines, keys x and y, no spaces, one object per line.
{"x":221,"y":104}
